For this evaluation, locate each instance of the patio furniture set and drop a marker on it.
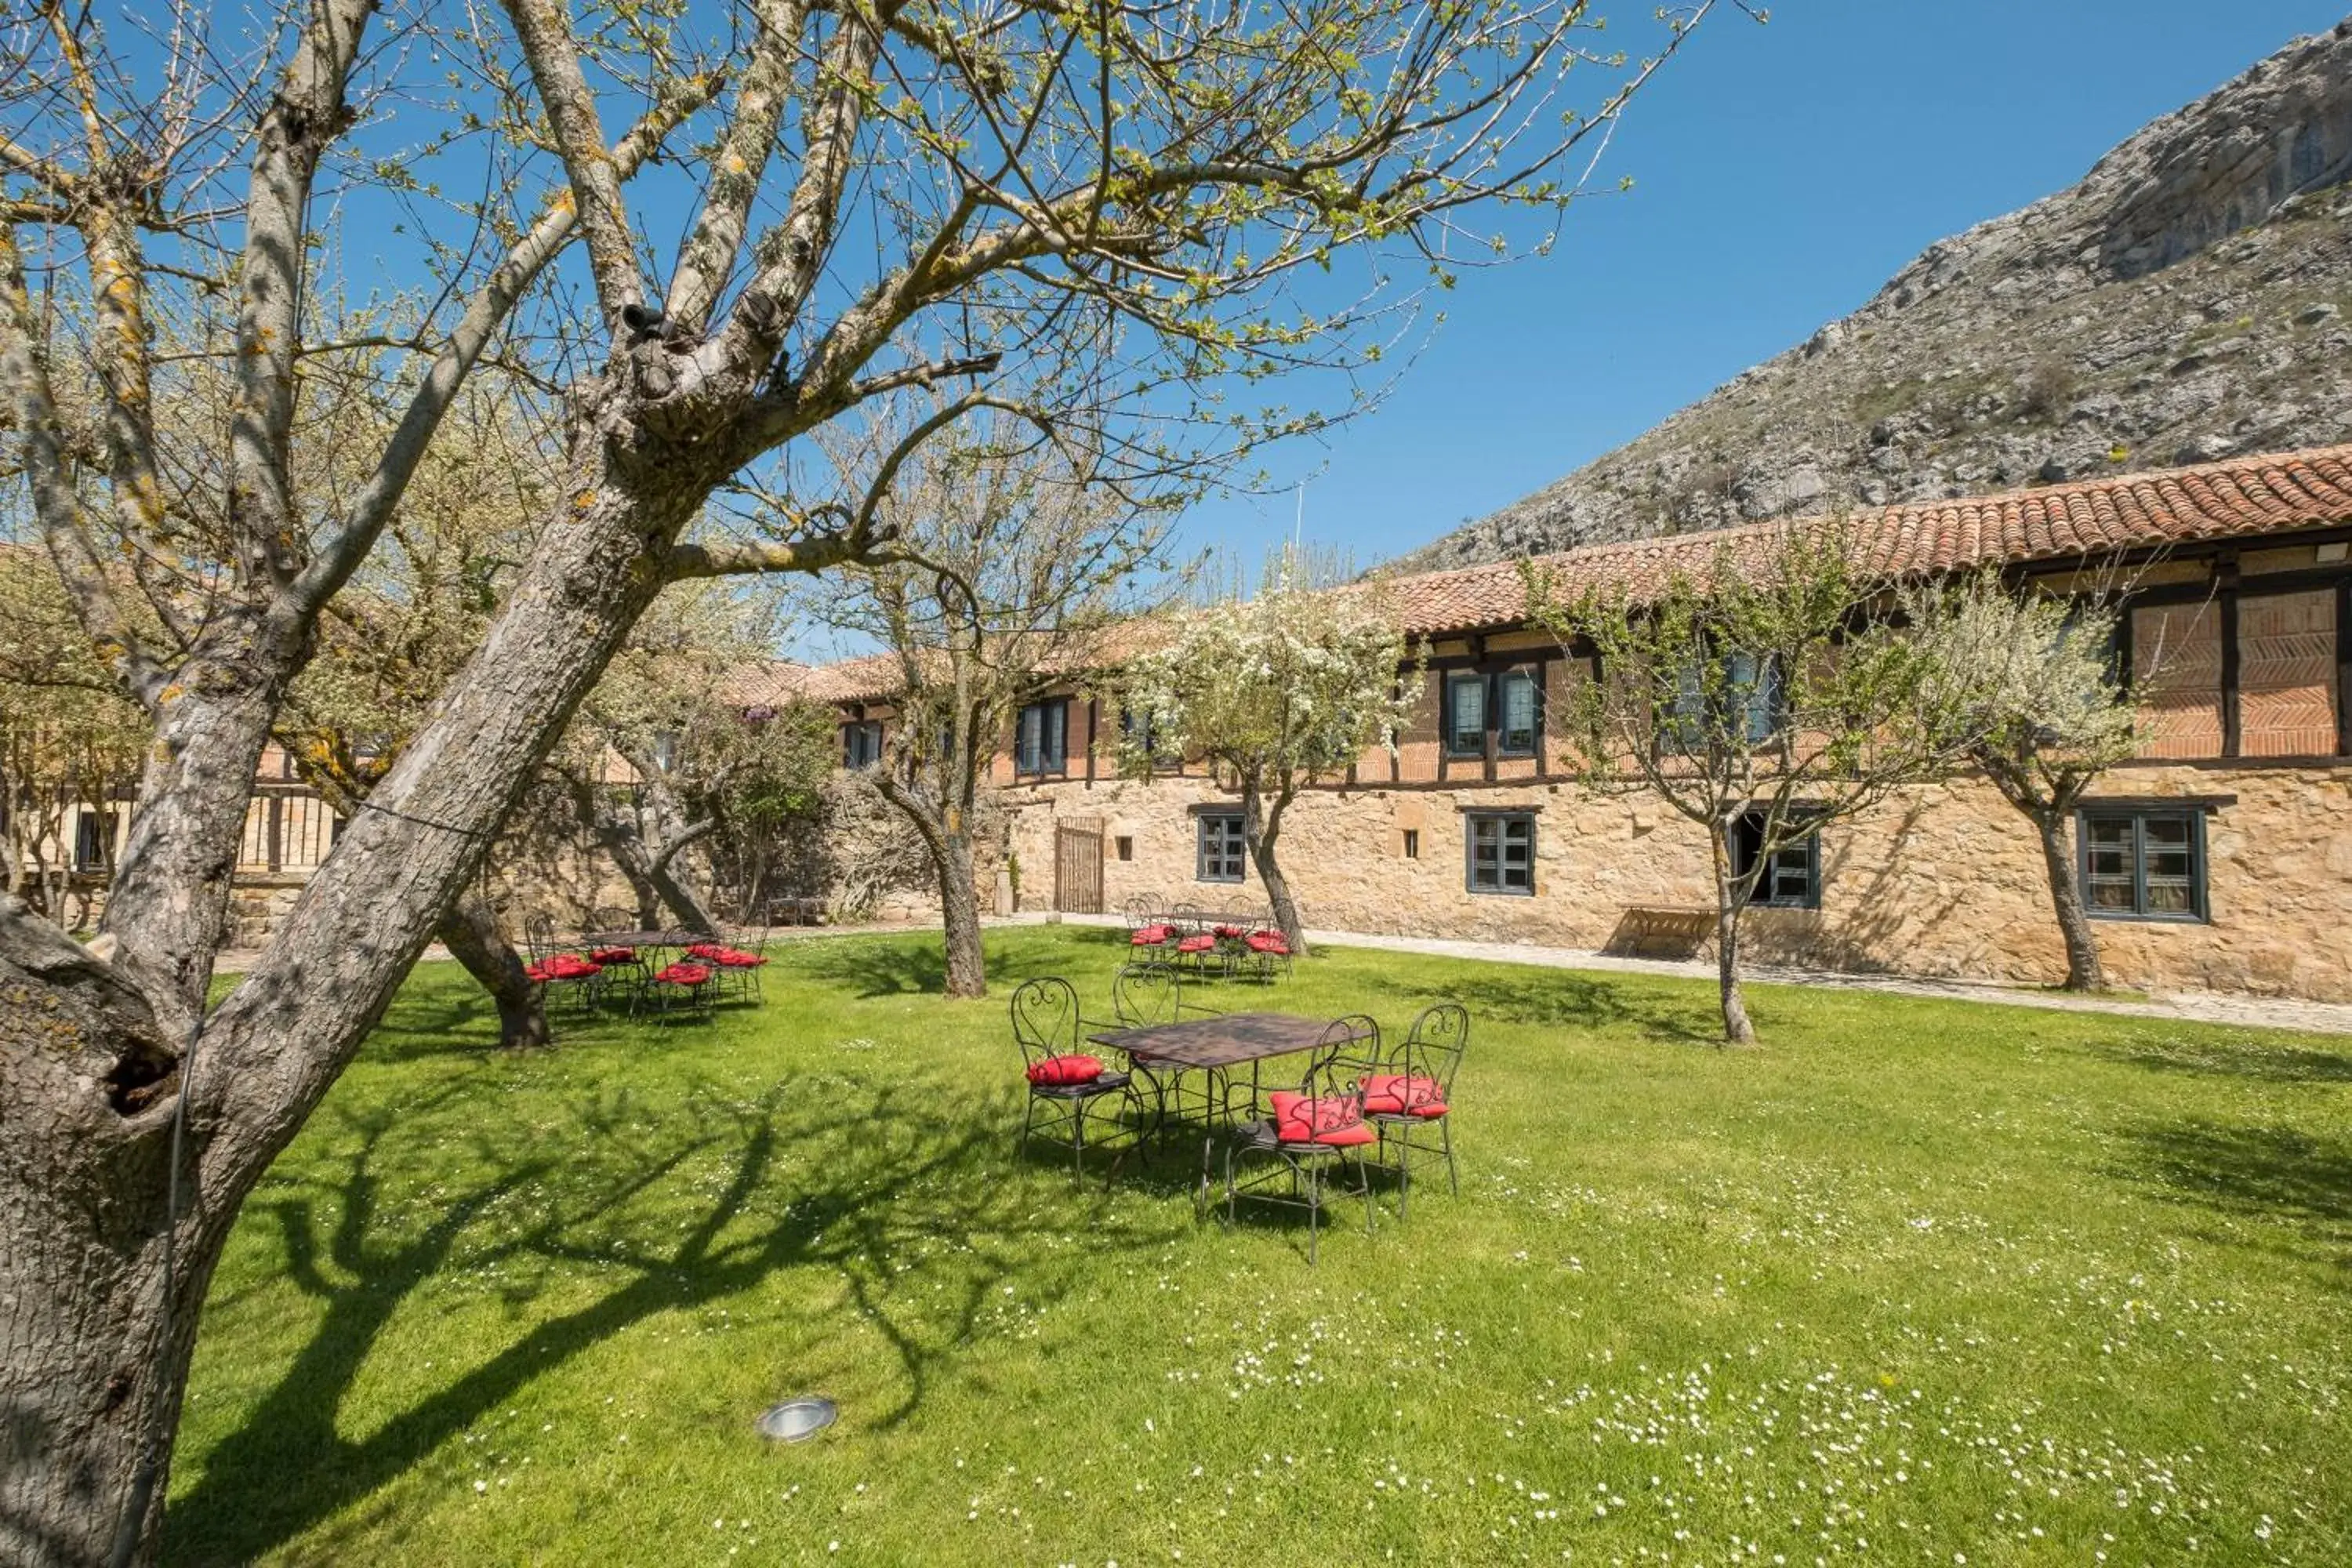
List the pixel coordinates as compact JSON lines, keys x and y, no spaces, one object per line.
{"x":1208,"y":944}
{"x":1357,"y":1105}
{"x":669,"y":973}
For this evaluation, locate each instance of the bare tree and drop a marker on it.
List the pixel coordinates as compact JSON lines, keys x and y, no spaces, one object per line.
{"x":883,"y":195}
{"x":1764,"y":700}
{"x":1011,"y":564}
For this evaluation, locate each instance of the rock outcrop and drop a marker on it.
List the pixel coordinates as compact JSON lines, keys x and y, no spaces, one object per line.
{"x":2190,"y":300}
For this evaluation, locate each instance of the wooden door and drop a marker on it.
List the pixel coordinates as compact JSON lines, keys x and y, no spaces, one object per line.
{"x":1079,"y":869}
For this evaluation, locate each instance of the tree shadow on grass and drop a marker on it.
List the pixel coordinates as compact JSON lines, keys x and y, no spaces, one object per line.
{"x":594,"y":1198}
{"x":1562,"y":999}
{"x":2247,"y":1057}
{"x":2264,"y":1172}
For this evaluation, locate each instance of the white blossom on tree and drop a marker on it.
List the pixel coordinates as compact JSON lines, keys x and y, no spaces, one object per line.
{"x":1279,"y":689}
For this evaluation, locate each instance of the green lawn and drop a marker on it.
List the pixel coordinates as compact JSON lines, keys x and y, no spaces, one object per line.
{"x":1916,"y":1282}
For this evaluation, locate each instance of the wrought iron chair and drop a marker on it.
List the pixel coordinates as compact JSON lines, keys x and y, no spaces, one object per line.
{"x":1064,"y":1083}
{"x":1300,"y":1135}
{"x":1413,"y":1094}
{"x":738,"y":968}
{"x":1143,"y":910}
{"x":1263,"y":953}
{"x":1149,"y":932}
{"x":686,"y":988}
{"x":558,"y":970}
{"x":1147,"y":993}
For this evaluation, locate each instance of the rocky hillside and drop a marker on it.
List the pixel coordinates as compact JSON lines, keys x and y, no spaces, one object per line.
{"x":2190,"y":300}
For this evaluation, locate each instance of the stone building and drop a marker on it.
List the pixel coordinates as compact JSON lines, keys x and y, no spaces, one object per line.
{"x":2223,"y":852}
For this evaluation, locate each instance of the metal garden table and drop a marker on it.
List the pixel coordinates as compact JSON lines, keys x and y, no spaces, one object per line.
{"x":1217,"y":1047}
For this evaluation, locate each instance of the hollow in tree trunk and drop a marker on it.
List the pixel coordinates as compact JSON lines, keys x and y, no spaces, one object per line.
{"x":1262,"y":831}
{"x":2083,"y":970}
{"x":470,"y":932}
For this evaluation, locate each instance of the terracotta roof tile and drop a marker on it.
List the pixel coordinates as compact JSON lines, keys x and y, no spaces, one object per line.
{"x":2234,"y":499}
{"x":2239,"y":498}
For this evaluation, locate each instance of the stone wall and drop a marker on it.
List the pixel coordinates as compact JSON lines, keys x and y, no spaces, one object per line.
{"x":1945,"y":881}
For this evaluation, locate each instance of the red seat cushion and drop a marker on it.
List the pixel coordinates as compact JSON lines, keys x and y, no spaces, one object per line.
{"x":1196,"y":944}
{"x":684,"y":974}
{"x":1336,"y":1119}
{"x":708,"y":952}
{"x":613,"y":955}
{"x":1393,"y":1094}
{"x":1062,"y":1070}
{"x":563,"y":966}
{"x":1269,"y":943}
{"x":737,"y":958}
{"x":1149,"y":936}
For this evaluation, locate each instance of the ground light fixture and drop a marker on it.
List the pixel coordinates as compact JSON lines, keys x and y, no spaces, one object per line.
{"x":797,"y":1420}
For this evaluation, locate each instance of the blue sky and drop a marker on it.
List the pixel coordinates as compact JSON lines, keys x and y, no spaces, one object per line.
{"x":1781,"y":173}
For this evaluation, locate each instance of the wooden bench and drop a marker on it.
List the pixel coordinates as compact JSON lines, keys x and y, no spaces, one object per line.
{"x":1662,"y":930}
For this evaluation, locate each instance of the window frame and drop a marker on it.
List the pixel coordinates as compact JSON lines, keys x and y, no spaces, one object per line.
{"x":1055,"y":760}
{"x":1764,"y":898}
{"x":1500,"y":819}
{"x":1498,"y":708}
{"x":852,"y":732}
{"x":1450,"y":726}
{"x":1232,"y":847}
{"x":2200,"y":910}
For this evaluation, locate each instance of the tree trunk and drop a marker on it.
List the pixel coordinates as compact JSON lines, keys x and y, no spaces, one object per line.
{"x":90,"y":1348}
{"x":87,"y":1048}
{"x":1262,"y":831}
{"x":624,"y":838}
{"x":1730,"y":902}
{"x":2083,"y":970}
{"x":960,"y":912}
{"x":470,"y":932}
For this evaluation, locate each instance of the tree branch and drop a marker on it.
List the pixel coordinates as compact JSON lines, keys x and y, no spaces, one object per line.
{"x":545,"y":30}
{"x":486,"y":313}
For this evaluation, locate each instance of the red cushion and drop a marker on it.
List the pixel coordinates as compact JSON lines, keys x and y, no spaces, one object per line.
{"x":1149,"y":936}
{"x":708,"y":952}
{"x":1269,"y":943}
{"x":613,"y":956}
{"x":684,"y":974}
{"x":1065,"y":1071}
{"x":1302,"y":1119}
{"x":1230,"y":933}
{"x":1348,"y":1137}
{"x":1393,"y":1094}
{"x":1196,"y":944}
{"x":563,"y":966}
{"x":736,"y":958}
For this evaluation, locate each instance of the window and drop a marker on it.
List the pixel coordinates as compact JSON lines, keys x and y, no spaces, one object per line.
{"x":1466,"y":715}
{"x":93,"y":839}
{"x":1041,"y":744}
{"x":1500,"y":849}
{"x":1517,"y":714}
{"x":1793,"y":880}
{"x":1755,"y":696}
{"x":861,"y":744}
{"x":2143,"y":865}
{"x":1750,"y":704}
{"x":1137,"y":729}
{"x":1413,"y":843}
{"x":1223,"y":850}
{"x":1126,"y":846}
